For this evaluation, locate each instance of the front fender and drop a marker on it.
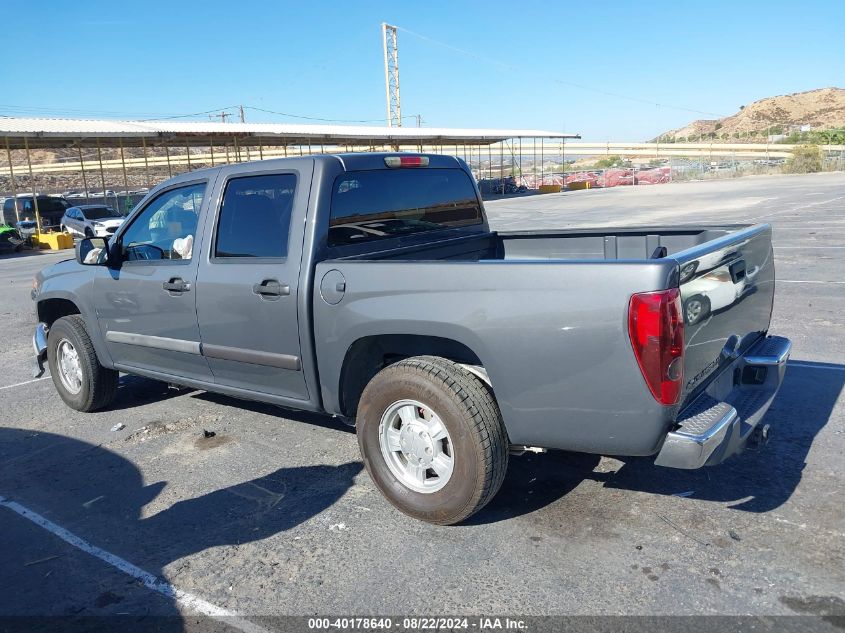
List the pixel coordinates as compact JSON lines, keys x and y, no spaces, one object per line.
{"x":75,"y":284}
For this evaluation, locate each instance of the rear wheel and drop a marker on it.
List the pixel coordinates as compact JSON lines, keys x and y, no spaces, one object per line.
{"x":82,"y":382}
{"x":432,"y":438}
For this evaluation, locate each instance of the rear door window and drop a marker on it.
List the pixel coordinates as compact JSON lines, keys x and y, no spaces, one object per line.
{"x":371,"y":205}
{"x":255,"y":216}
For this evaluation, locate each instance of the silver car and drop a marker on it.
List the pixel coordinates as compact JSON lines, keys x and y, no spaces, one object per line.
{"x":91,"y":220}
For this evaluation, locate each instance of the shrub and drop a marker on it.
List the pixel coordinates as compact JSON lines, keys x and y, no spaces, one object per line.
{"x":610,"y":161}
{"x":805,"y":159}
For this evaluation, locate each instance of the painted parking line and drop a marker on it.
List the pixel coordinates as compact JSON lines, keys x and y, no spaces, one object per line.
{"x":184,"y":599}
{"x":806,"y":281}
{"x":25,"y":382}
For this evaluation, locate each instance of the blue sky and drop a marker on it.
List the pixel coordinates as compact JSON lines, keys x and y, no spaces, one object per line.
{"x":531,"y":65}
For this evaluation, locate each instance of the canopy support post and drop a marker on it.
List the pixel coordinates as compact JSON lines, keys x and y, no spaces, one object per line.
{"x":34,"y":193}
{"x":14,"y":185}
{"x":84,"y":177}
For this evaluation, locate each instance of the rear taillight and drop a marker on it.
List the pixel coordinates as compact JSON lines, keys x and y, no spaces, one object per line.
{"x":656,"y":328}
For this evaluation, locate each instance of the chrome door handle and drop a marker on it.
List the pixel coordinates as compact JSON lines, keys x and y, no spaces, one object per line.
{"x":176,"y":285}
{"x":271,"y":288}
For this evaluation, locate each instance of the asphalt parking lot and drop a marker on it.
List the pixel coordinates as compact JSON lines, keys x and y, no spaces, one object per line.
{"x":275,"y":514}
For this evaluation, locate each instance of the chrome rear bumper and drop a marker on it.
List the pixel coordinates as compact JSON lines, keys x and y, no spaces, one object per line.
{"x":713,"y":428}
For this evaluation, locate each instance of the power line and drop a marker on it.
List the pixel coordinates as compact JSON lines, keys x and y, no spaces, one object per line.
{"x":313,"y":118}
{"x":511,"y":67}
{"x":218,"y":111}
{"x":148,"y":116}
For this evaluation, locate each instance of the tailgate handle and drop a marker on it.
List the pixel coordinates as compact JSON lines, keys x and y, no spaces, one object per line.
{"x":737,"y":271}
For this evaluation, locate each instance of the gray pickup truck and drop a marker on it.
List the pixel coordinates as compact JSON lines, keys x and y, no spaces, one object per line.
{"x":370,"y":287}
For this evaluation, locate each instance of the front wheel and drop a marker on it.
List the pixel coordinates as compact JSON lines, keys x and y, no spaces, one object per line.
{"x":82,"y":382}
{"x":696,"y":308}
{"x":432,"y":439}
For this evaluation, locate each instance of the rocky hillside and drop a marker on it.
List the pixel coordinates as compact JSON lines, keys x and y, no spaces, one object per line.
{"x":819,"y":109}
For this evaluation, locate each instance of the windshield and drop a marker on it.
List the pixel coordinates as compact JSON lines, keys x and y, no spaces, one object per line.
{"x":100,"y":213}
{"x":369,"y":205}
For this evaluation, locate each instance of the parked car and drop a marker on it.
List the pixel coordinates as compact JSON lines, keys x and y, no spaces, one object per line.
{"x":715,"y":290}
{"x":50,"y":208}
{"x":446,"y":344}
{"x":90,"y":220}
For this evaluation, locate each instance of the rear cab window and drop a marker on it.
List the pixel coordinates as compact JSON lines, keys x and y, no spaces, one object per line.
{"x":385,"y":203}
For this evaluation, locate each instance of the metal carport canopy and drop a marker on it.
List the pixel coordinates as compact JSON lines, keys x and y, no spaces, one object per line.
{"x":57,"y":133}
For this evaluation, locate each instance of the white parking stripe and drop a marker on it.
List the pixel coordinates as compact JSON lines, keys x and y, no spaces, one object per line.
{"x":182,"y":598}
{"x":25,"y":382}
{"x":806,"y":281}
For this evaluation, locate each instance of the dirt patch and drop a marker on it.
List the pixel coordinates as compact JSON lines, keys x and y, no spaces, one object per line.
{"x":204,"y":443}
{"x":163,"y":427}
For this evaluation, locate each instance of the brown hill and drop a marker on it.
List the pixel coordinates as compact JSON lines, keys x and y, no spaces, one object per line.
{"x":819,"y":109}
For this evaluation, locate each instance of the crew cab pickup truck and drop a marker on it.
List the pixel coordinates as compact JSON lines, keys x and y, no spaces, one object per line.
{"x":370,"y":287}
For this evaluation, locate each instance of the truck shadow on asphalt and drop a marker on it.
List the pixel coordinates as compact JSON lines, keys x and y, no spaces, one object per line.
{"x":755,"y":480}
{"x":102,"y":497}
{"x":315,"y":419}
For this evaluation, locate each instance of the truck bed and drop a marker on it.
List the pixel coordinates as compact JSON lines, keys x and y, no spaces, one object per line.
{"x":545,"y":313}
{"x":573,"y":244}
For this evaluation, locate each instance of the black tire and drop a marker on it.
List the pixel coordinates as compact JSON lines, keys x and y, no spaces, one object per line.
{"x":701,"y":314}
{"x":89,"y":233}
{"x":472,"y":418}
{"x":99,"y":385}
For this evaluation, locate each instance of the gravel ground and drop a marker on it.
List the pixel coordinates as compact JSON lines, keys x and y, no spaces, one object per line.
{"x":275,"y":515}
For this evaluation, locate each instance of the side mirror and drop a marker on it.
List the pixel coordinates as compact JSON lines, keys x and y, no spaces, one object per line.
{"x":92,"y":251}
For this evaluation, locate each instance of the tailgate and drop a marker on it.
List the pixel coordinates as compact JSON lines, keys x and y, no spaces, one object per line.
{"x":727,"y":287}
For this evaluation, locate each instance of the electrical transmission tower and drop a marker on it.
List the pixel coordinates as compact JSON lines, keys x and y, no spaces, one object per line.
{"x":391,"y":75}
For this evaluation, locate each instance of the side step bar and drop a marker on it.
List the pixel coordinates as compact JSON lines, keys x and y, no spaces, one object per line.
{"x":709,"y":430}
